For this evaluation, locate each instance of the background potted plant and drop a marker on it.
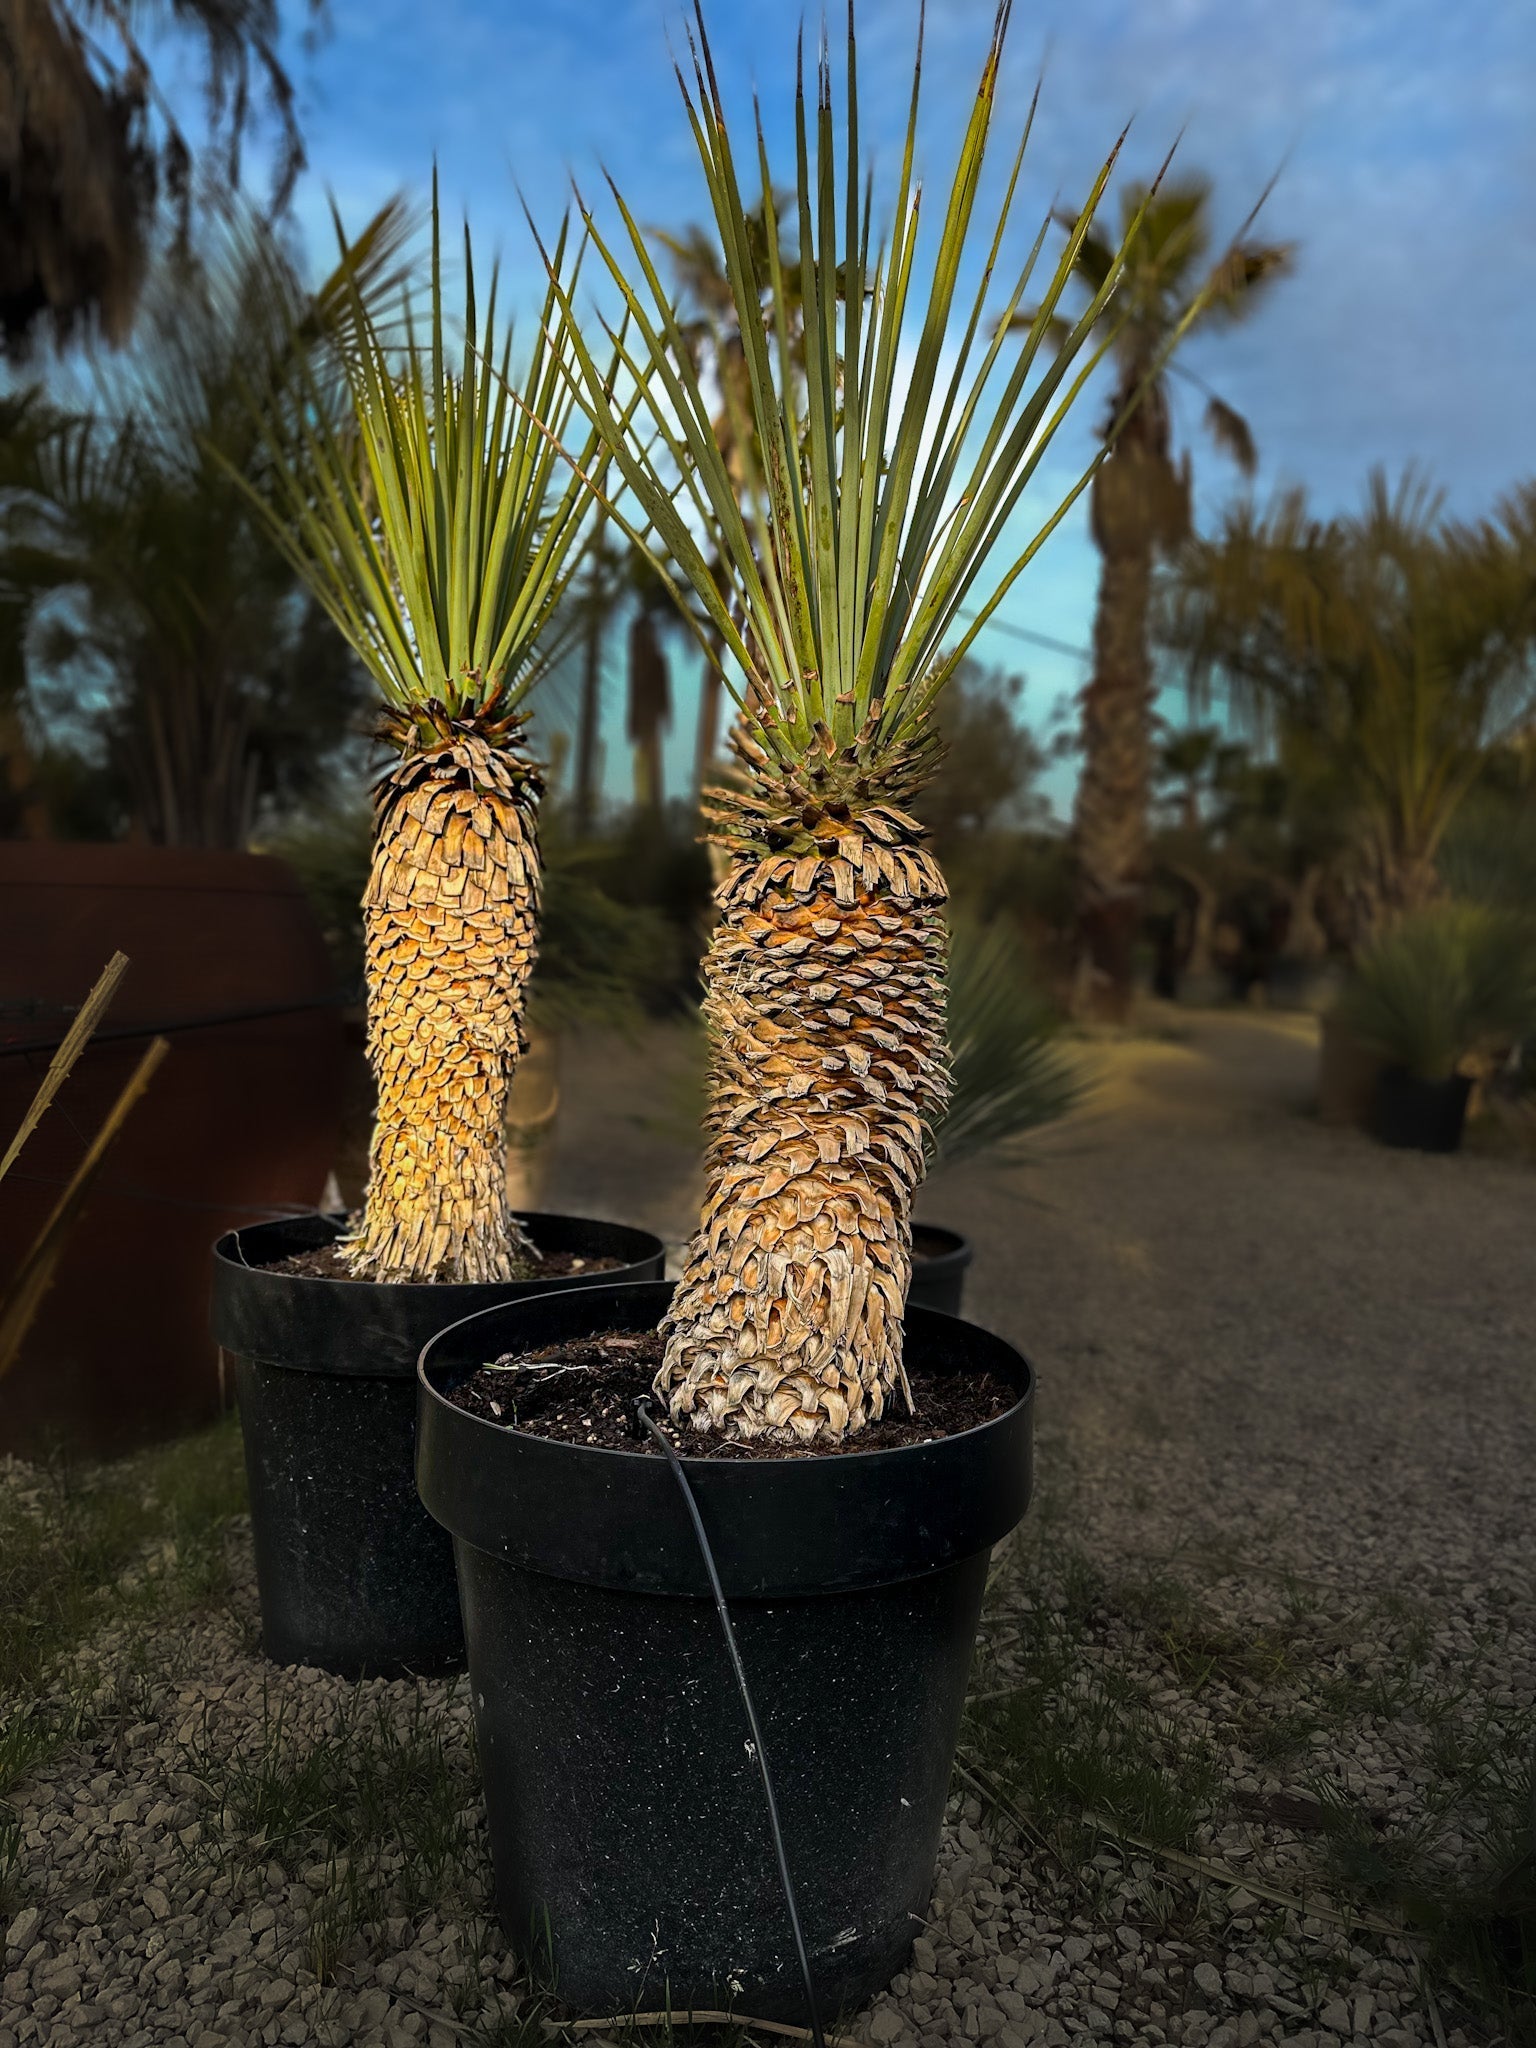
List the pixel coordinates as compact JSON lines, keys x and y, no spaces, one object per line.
{"x":849,"y":541}
{"x":1007,"y":1075}
{"x":434,"y":529}
{"x":1444,"y":982}
{"x":1388,"y":650}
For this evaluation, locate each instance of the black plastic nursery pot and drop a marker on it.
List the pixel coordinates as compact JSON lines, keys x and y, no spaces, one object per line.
{"x":353,"y":1575}
{"x":627,"y":1818}
{"x":939,"y":1260}
{"x":1420,"y":1115}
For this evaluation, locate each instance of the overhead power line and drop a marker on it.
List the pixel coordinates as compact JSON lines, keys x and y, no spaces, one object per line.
{"x":1035,"y":639}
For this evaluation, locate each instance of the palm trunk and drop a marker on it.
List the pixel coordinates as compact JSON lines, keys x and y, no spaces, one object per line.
{"x":1393,"y":880}
{"x":1202,"y":937}
{"x":585,"y":805}
{"x":824,"y":999}
{"x":707,"y":742}
{"x":648,"y":774}
{"x":1305,"y":938}
{"x":451,"y":918}
{"x":650,"y":709}
{"x":1109,"y":824}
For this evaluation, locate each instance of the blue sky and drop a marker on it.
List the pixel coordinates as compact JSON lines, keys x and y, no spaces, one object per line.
{"x":1403,"y":131}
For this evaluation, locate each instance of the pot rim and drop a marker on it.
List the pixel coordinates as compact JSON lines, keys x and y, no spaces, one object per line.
{"x":780,"y":1526}
{"x":958,"y":1249}
{"x":224,"y":1250}
{"x":318,"y":1323}
{"x":646,"y":1459}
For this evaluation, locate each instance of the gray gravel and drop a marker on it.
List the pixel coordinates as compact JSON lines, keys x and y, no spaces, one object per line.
{"x":1279,"y":1365}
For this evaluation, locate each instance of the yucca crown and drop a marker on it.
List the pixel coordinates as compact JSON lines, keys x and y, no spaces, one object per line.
{"x":851,"y":558}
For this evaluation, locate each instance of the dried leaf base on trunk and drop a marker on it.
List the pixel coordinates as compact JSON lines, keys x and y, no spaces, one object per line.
{"x":451,"y":918}
{"x":825,"y":1006}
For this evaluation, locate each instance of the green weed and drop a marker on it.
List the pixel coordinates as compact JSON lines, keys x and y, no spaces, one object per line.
{"x":377,"y":1797}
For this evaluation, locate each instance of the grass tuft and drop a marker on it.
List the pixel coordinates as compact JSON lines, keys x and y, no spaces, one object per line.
{"x":373,"y":1809}
{"x":1117,"y":1712}
{"x":135,"y":1541}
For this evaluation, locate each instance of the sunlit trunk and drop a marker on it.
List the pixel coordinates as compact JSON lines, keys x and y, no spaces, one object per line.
{"x":451,"y":917}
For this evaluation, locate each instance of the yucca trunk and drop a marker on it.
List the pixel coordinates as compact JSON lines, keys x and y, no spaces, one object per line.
{"x":824,"y":1001}
{"x":451,"y":920}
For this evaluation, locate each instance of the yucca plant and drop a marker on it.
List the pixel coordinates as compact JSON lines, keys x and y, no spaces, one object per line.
{"x":1445,"y":981}
{"x":886,"y":465}
{"x":1008,"y":1073}
{"x":440,"y":532}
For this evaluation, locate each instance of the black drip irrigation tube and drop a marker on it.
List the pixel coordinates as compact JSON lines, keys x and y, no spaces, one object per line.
{"x":643,"y":1415}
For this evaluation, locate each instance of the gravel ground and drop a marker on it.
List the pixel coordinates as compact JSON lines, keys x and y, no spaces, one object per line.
{"x":1262,"y":1667}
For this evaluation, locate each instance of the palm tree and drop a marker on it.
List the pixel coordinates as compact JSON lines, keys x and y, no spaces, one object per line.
{"x":128,"y":530}
{"x":1395,"y":645}
{"x":853,"y":542}
{"x":1188,"y":760}
{"x":89,"y":147}
{"x":648,"y":712}
{"x":432,"y":531}
{"x":1139,"y":508}
{"x":595,"y":596}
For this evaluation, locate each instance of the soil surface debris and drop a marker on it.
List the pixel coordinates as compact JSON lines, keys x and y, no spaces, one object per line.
{"x":584,"y":1391}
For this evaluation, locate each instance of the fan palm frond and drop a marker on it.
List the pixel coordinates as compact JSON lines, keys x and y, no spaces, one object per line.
{"x":1232,"y":434}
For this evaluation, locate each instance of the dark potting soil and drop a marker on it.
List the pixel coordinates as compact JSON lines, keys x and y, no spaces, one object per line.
{"x":582,"y":1392}
{"x":325,"y":1263}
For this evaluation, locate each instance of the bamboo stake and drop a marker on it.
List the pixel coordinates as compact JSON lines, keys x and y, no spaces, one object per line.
{"x":86,"y":1020}
{"x":33,"y":1278}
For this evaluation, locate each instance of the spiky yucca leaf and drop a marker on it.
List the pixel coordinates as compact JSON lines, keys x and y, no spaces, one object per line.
{"x":1008,"y":1073}
{"x":1444,"y":981}
{"x":854,"y":555}
{"x":440,"y":527}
